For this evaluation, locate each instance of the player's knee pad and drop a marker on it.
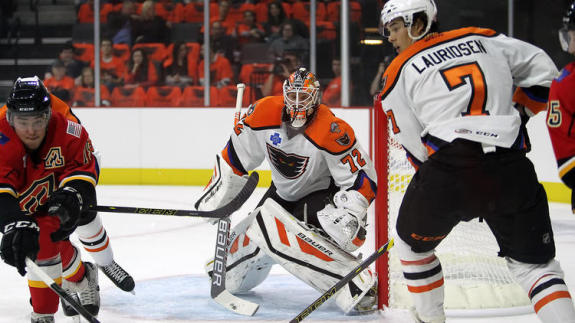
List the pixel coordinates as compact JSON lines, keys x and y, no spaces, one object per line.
{"x":222,"y":187}
{"x":246,"y":265}
{"x":306,"y":254}
{"x":95,"y":241}
{"x":546,"y":288}
{"x":424,"y":278}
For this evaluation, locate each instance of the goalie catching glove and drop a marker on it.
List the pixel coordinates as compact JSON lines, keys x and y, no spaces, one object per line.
{"x":345,"y":220}
{"x":66,"y":204}
{"x":221,"y":189}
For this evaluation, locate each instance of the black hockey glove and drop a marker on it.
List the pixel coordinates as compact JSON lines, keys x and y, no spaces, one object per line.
{"x":66,"y":204}
{"x":20,"y":240}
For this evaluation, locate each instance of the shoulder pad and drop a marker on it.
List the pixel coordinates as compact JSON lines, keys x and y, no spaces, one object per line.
{"x":265,"y":113}
{"x":328,"y":132}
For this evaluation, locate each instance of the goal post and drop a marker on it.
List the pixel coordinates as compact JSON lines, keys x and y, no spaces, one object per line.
{"x":477,"y":281}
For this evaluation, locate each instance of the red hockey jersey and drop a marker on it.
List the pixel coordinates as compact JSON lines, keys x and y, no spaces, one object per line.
{"x":560,"y":120}
{"x":65,"y":155}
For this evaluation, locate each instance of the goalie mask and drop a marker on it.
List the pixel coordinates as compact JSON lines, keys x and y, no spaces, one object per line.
{"x":301,"y":97}
{"x":408,"y":10}
{"x":28,"y":97}
{"x":568,"y":24}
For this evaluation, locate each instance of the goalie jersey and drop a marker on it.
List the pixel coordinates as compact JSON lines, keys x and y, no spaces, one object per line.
{"x":560,"y":119}
{"x":455,"y":84}
{"x":304,"y":163}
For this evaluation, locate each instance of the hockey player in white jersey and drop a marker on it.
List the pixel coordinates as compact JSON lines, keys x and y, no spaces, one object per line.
{"x":448,"y":96}
{"x":313,"y":216}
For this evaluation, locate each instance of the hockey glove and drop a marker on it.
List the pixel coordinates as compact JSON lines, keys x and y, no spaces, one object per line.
{"x":20,"y":240}
{"x":66,"y":204}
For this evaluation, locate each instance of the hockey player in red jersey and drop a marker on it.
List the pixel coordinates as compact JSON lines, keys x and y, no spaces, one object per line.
{"x":561,"y":108}
{"x":448,"y":97}
{"x":48,"y":175}
{"x":314,"y":214}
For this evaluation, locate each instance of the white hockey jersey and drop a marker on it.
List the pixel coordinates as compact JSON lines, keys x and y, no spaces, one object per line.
{"x":457,"y":84}
{"x":306,"y":162}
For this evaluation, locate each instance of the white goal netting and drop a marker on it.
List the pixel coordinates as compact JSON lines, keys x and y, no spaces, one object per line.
{"x":477,"y":281}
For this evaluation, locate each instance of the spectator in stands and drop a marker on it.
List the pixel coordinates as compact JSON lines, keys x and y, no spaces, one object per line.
{"x":222,"y":14}
{"x":376,"y":84}
{"x":177,"y":73}
{"x":332,"y":93}
{"x":221,"y":73}
{"x":119,"y":27}
{"x":225,"y":43}
{"x":140,"y":71}
{"x":150,"y":28}
{"x":86,"y":12}
{"x":280,"y":71}
{"x":276,"y":18}
{"x":84,"y":92}
{"x":60,"y":84}
{"x":66,"y":56}
{"x":289,"y":41}
{"x":249,"y":31}
{"x":111,"y":66}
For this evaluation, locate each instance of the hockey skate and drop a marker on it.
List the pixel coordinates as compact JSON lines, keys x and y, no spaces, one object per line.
{"x":41,"y":318}
{"x":87,"y":291}
{"x":119,"y":277}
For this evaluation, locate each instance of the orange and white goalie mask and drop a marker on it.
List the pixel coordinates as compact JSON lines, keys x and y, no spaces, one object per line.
{"x":301,"y":97}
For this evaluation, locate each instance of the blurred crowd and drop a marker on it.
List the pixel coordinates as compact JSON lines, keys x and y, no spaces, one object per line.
{"x":146,"y":60}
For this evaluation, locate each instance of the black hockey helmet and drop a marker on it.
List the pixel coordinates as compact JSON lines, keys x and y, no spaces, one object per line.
{"x":568,"y":24}
{"x":28,"y":96}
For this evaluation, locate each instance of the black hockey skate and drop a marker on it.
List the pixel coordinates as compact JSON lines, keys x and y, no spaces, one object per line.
{"x":119,"y":277}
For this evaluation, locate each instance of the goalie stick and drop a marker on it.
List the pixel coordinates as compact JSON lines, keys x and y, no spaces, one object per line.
{"x":335,"y":288}
{"x":221,"y":212}
{"x":218,"y":290}
{"x":31,"y":265}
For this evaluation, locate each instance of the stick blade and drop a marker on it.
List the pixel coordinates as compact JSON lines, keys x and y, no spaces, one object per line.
{"x":236,"y":304}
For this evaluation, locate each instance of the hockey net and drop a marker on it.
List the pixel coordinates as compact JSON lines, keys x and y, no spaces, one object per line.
{"x":477,"y":281}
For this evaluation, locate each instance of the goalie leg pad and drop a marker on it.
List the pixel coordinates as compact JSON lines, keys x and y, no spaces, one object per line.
{"x":96,"y":242}
{"x":247,"y":266}
{"x":222,"y":187}
{"x":307,"y":255}
{"x":424,"y":277}
{"x":546,"y":288}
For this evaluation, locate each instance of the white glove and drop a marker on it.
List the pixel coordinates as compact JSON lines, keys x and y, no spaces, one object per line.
{"x":345,"y":222}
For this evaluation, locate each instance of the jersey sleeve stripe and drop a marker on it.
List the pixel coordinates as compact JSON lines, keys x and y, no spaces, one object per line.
{"x":8,"y":190}
{"x":529,"y":100}
{"x":566,"y":167}
{"x":392,"y":72}
{"x":365,"y":185}
{"x":81,"y":177}
{"x":230,"y":156}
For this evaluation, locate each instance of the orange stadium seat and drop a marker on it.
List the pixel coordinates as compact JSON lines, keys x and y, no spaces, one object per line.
{"x":84,"y":52}
{"x":128,"y":97}
{"x":84,"y":97}
{"x":122,"y":51}
{"x":326,"y":30}
{"x":193,"y":12}
{"x":172,"y":12}
{"x":163,"y":96}
{"x":300,"y":11}
{"x":227,"y":96}
{"x":193,"y":96}
{"x":333,"y":9}
{"x":155,"y":51}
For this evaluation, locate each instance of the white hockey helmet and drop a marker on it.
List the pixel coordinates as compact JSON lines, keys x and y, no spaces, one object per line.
{"x":568,"y":24}
{"x":301,"y":96}
{"x":406,"y":9}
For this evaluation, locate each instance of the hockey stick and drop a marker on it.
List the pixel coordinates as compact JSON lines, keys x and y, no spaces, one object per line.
{"x":218,"y":290}
{"x":335,"y":288}
{"x":60,"y":291}
{"x":221,"y":212}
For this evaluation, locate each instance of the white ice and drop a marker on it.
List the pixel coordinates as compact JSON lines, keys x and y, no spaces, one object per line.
{"x":166,"y":256}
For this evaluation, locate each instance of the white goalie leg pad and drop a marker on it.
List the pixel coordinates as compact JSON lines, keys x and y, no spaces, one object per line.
{"x":222,"y":187}
{"x":424,"y":277}
{"x":546,"y":288}
{"x":307,"y":255}
{"x":247,"y":266}
{"x":96,"y":242}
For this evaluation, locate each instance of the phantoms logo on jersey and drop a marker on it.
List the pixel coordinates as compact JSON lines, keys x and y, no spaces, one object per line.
{"x":291,"y":166}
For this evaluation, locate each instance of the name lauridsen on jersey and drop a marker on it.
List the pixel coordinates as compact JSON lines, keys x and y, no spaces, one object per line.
{"x":463,"y":48}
